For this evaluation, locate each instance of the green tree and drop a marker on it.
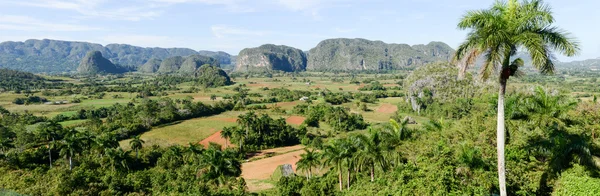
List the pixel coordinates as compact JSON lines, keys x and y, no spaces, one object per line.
{"x":213,"y":97}
{"x":307,"y":161}
{"x":498,"y":33}
{"x":71,"y":145}
{"x":136,"y":144}
{"x":49,"y":131}
{"x":334,"y":157}
{"x":226,"y":134}
{"x":219,"y":165}
{"x":372,"y":151}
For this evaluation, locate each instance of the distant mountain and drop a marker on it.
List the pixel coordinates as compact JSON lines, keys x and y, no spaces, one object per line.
{"x":171,"y":65}
{"x":186,"y":65}
{"x":151,"y":66}
{"x":223,"y":57}
{"x":271,"y":57}
{"x":588,"y":63}
{"x":193,"y":62}
{"x":54,"y":56}
{"x":95,"y":63}
{"x":361,"y":54}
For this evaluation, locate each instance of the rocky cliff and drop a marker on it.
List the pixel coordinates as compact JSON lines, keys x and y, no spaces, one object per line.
{"x":271,"y":57}
{"x":362,"y":54}
{"x":95,"y":63}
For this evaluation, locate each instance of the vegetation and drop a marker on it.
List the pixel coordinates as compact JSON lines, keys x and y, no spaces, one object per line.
{"x":499,"y":32}
{"x":362,"y":54}
{"x":271,"y":57}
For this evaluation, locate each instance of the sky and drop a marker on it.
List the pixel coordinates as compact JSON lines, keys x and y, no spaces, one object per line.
{"x":232,"y":25}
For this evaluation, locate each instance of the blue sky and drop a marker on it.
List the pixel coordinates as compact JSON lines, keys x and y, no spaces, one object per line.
{"x":231,"y":25}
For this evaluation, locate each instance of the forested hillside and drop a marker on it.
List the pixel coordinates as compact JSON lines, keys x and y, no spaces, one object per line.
{"x":362,"y":54}
{"x":55,"y":56}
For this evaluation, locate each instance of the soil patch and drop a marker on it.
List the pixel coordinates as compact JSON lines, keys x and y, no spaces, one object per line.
{"x":295,"y":120}
{"x":226,"y":119}
{"x":215,"y":138}
{"x":387,"y":108}
{"x":263,"y":168}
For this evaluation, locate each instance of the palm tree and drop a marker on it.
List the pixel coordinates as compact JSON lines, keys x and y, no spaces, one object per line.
{"x":226,"y":134}
{"x":105,"y":141}
{"x":136,"y":144}
{"x":49,"y":131}
{"x":334,"y":156}
{"x":498,"y":33}
{"x":372,"y":152}
{"x":117,"y":158}
{"x":193,"y":151}
{"x":543,"y":109}
{"x":307,"y":161}
{"x":219,"y":165}
{"x":70,"y":146}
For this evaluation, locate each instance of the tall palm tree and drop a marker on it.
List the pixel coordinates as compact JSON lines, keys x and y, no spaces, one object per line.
{"x":70,"y":146}
{"x":226,"y":134}
{"x":372,"y":151}
{"x":50,"y":131}
{"x":136,"y":144}
{"x":334,"y":156}
{"x":498,"y":32}
{"x":307,"y":161}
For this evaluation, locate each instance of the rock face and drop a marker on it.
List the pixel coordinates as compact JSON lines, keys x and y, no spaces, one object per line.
{"x":55,"y":56}
{"x":151,"y":66}
{"x":95,"y":63}
{"x":362,"y":54}
{"x":271,"y":57}
{"x":193,"y":62}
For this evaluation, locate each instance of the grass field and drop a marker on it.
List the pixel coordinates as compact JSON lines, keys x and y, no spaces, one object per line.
{"x":184,"y":132}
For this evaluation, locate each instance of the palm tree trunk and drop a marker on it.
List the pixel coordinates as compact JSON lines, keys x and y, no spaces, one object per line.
{"x":348,"y":180}
{"x":372,"y":173}
{"x":136,"y":153}
{"x":50,"y":151}
{"x":340,"y":178}
{"x":70,"y":162}
{"x":500,"y":138}
{"x":309,"y":173}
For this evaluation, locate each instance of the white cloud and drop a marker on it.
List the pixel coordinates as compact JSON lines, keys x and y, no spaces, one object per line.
{"x":26,"y":23}
{"x":222,"y":31}
{"x":94,"y":8}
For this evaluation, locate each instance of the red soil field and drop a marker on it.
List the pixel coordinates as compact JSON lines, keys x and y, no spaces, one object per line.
{"x":215,"y":138}
{"x":295,"y":120}
{"x":387,"y":108}
{"x":264,"y":168}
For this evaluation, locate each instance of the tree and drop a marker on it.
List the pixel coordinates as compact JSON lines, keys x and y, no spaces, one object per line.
{"x":219,"y":165}
{"x":117,"y":158}
{"x":213,"y":97}
{"x":372,"y":151}
{"x":49,"y":131}
{"x":136,"y":144}
{"x":70,"y":146}
{"x":307,"y":161}
{"x":6,"y":139}
{"x":498,"y":33}
{"x":226,"y":134}
{"x":334,"y":156}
